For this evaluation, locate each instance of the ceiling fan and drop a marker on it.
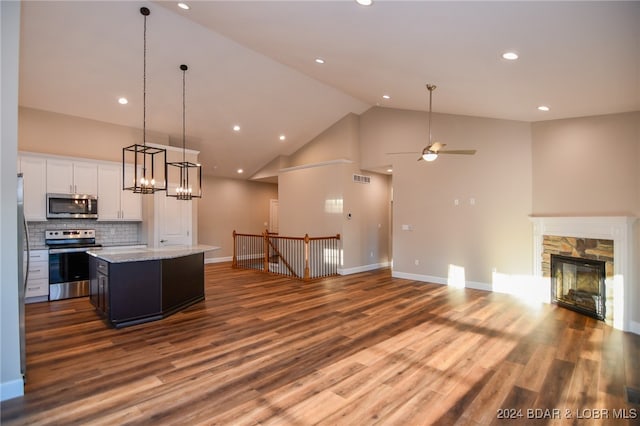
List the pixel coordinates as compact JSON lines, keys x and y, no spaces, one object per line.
{"x":431,"y":151}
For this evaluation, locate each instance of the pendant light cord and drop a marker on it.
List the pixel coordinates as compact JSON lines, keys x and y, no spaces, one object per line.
{"x":144,"y":85}
{"x":184,"y":71}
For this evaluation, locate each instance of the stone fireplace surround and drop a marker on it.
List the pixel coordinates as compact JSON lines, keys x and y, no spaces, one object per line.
{"x":618,"y":229}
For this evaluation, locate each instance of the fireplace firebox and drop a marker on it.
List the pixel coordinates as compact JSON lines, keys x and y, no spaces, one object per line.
{"x":579,"y":284}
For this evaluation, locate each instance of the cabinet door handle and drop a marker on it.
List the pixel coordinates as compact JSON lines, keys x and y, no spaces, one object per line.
{"x":163,"y":241}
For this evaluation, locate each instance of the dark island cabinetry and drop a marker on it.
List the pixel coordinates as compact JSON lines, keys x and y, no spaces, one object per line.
{"x":132,"y":292}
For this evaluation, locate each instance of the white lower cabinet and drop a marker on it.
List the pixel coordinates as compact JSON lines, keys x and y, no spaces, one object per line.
{"x":37,"y":288}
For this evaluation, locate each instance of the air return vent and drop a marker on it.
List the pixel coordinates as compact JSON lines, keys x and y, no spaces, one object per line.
{"x":361,"y":178}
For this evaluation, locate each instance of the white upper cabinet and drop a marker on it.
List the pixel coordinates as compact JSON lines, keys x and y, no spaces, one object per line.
{"x":72,"y":177}
{"x":85,"y":178}
{"x":114,"y":204}
{"x":34,"y":171}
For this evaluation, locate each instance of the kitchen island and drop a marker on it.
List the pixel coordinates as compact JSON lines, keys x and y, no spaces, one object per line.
{"x":133,"y":286}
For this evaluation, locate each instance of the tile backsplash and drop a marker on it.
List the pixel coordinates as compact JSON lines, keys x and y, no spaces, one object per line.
{"x":107,"y":233}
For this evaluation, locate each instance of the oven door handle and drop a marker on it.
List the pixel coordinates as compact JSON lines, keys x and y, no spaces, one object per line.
{"x":68,"y":250}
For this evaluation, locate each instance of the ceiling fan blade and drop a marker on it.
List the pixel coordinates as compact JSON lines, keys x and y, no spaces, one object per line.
{"x":436,"y":146}
{"x":404,"y":152}
{"x":420,"y":158}
{"x":459,"y":151}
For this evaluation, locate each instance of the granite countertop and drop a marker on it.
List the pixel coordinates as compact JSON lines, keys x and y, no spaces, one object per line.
{"x":123,"y":254}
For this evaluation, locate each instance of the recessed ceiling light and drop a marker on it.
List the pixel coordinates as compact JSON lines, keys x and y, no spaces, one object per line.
{"x":319,"y":61}
{"x":510,"y":56}
{"x":123,"y":101}
{"x":282,"y":137}
{"x":236,"y":128}
{"x":386,"y":97}
{"x":389,"y":170}
{"x":240,"y":171}
{"x":364,"y":2}
{"x":543,"y":108}
{"x":184,"y":6}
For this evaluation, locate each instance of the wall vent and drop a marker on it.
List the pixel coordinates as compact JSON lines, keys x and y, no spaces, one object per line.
{"x":361,"y":178}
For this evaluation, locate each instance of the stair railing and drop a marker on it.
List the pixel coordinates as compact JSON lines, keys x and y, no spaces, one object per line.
{"x":304,"y":258}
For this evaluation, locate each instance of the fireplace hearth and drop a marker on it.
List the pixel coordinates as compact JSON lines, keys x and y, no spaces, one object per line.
{"x":579,"y":284}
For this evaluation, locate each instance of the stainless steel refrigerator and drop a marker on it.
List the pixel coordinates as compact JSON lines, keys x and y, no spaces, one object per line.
{"x":23,"y":271}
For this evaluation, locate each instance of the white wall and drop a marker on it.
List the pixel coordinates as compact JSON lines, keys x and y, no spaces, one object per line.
{"x":11,"y":384}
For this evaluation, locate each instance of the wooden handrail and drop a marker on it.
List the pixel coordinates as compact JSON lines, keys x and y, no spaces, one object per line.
{"x":274,"y":235}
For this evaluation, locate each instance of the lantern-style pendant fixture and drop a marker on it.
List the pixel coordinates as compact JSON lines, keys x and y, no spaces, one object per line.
{"x":189,"y":175}
{"x":149,"y":163}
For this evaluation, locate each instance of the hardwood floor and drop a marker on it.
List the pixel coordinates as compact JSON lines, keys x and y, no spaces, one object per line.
{"x":355,"y":350}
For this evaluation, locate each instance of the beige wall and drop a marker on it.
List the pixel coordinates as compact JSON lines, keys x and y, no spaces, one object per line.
{"x":317,"y":194}
{"x":312,"y":200}
{"x":367,"y":233}
{"x":590,"y":166}
{"x":489,"y":229}
{"x":587,"y":166}
{"x":52,"y":133}
{"x":232,"y":204}
{"x":341,"y":140}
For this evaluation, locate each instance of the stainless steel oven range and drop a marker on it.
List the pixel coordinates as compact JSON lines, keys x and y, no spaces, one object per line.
{"x":69,"y":261}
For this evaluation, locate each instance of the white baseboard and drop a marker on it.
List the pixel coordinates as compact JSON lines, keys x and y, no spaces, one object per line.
{"x":440,"y":280}
{"x":634,"y":327}
{"x":12,"y":389}
{"x":218,"y":259}
{"x":476,"y":285}
{"x":419,"y":277}
{"x":364,"y":268}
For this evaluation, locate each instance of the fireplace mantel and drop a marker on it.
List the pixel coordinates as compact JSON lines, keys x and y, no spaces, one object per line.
{"x":616,"y":228}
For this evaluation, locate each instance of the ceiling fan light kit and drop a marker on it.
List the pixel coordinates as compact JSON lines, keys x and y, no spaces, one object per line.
{"x":147,"y":161}
{"x":429,"y":155}
{"x":431,"y":151}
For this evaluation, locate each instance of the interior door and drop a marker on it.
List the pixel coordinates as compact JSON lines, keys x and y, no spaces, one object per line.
{"x":173,"y":220}
{"x":273,"y":216}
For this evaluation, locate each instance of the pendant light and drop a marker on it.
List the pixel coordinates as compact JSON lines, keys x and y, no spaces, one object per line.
{"x":190,"y":174}
{"x":149,"y":163}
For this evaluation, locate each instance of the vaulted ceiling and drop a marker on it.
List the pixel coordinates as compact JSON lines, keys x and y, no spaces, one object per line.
{"x":252,"y":64}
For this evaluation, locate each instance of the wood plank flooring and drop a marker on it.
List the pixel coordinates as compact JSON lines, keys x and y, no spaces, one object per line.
{"x":362,"y":349}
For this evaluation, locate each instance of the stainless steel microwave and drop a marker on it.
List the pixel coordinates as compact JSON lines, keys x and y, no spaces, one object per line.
{"x":72,"y":206}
